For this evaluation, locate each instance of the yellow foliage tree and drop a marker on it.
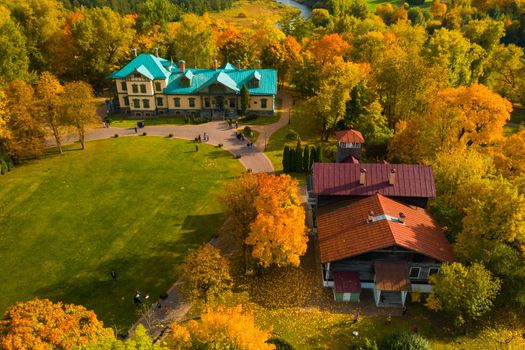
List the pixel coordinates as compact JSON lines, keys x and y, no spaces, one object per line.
{"x":223,"y":328}
{"x":48,"y":93}
{"x":278,"y":234}
{"x":4,"y":132}
{"x":42,"y":324}
{"x":79,"y":107}
{"x":509,"y":157}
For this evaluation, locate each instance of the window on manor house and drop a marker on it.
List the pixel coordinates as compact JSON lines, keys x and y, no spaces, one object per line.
{"x":264,"y":103}
{"x":192,"y":102}
{"x":232,"y":102}
{"x":157,"y":86}
{"x":207,"y":102}
{"x":135,"y":88}
{"x":143,"y":88}
{"x":126,"y":101}
{"x":414,"y":272}
{"x":176,"y":101}
{"x":124,"y":86}
{"x":146,"y":103}
{"x":160,"y":101}
{"x":136,"y":103}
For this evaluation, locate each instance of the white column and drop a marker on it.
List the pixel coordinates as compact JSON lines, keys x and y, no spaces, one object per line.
{"x":403,"y":297}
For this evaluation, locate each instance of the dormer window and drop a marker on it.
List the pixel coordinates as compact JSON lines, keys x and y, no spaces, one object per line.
{"x":255,"y":80}
{"x":137,"y":75}
{"x":186,"y":79}
{"x":185,"y":82}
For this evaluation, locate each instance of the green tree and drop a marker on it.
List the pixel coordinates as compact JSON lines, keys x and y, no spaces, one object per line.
{"x":298,"y":159}
{"x":79,"y":107}
{"x":14,"y":62}
{"x":49,"y":104}
{"x":319,"y":154}
{"x":306,"y":159}
{"x":101,"y":42}
{"x":39,"y":21}
{"x":286,"y":159}
{"x":206,"y":272}
{"x":460,"y":58}
{"x":194,"y":41}
{"x":406,"y":341}
{"x":245,"y":99}
{"x":157,"y":12}
{"x":313,"y":156}
{"x":464,"y":293}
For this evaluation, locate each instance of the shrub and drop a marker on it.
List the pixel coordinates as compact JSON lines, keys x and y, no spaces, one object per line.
{"x":186,"y":119}
{"x":116,"y":135}
{"x":405,"y":341}
{"x":363,"y":344}
{"x":330,"y":153}
{"x":247,"y":131}
{"x":237,"y":156}
{"x":170,"y":135}
{"x":292,"y":136}
{"x":242,"y":15}
{"x":144,"y":133}
{"x":280,"y":344}
{"x":3,"y":167}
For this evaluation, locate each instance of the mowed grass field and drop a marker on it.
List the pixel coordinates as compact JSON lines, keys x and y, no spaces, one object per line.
{"x":134,"y":205}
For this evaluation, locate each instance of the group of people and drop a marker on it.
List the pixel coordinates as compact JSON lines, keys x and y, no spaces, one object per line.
{"x":230,"y":124}
{"x":205,"y":138}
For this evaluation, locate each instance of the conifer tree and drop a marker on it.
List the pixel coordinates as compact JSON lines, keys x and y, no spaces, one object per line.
{"x":306,"y":159}
{"x":286,"y":158}
{"x":298,"y":163}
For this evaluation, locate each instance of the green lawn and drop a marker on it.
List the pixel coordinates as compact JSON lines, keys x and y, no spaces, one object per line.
{"x":259,"y":120}
{"x":134,"y":205}
{"x":120,"y":121}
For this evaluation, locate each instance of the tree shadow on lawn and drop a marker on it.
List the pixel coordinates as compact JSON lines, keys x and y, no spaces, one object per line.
{"x":152,"y":272}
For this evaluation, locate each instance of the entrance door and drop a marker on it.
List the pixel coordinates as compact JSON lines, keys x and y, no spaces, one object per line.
{"x":219,"y":103}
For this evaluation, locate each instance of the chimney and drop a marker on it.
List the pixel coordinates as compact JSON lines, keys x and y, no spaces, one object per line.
{"x":238,"y":62}
{"x":215,"y":64}
{"x":156,"y":51}
{"x":182,"y":66}
{"x":370,"y":216}
{"x":402,"y":217}
{"x":134,"y":52}
{"x":258,"y":64}
{"x":362,"y":177}
{"x":392,"y":177}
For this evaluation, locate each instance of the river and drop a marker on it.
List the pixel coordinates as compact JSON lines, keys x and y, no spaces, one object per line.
{"x":305,"y":10}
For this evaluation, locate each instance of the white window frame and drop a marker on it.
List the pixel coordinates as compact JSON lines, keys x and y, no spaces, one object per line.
{"x":418,"y":273}
{"x":433,"y":268}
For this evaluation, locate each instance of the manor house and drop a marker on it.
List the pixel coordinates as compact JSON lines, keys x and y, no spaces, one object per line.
{"x":150,"y":86}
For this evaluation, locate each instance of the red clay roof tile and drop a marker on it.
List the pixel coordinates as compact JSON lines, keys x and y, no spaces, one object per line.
{"x":343,"y":231}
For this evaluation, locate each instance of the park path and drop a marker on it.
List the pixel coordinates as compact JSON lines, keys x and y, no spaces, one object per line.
{"x":266,"y":131}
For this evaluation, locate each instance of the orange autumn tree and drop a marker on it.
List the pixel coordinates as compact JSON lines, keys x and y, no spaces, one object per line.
{"x":278,"y":233}
{"x":223,"y":328}
{"x":329,"y":49}
{"x":457,"y":117}
{"x":42,"y":324}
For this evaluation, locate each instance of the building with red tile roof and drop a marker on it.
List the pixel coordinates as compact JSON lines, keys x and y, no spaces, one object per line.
{"x":411,"y":183}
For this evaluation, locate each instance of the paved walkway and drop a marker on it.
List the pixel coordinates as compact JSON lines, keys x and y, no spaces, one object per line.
{"x":266,"y":131}
{"x":219,"y":133}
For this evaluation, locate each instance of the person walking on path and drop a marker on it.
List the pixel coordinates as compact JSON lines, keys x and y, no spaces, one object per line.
{"x":196,"y":148}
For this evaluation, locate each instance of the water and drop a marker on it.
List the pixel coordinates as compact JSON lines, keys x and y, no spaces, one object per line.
{"x":305,"y":11}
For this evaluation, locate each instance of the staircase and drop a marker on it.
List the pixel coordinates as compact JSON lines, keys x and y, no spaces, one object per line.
{"x":217,"y":115}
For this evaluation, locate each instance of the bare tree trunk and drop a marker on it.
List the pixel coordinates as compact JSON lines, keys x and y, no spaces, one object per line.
{"x":56,"y":134}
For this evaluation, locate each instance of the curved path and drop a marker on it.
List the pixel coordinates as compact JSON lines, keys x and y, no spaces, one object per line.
{"x":218,"y":132}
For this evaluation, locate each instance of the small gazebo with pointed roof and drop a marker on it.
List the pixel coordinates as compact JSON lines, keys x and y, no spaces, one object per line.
{"x":348,"y":145}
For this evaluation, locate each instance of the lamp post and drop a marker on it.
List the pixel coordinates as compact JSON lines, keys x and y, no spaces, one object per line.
{"x":289,"y":115}
{"x":265,"y":141}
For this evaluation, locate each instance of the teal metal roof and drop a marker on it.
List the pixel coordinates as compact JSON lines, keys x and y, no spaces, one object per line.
{"x":145,"y":72}
{"x":151,"y":63}
{"x":227,"y":75}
